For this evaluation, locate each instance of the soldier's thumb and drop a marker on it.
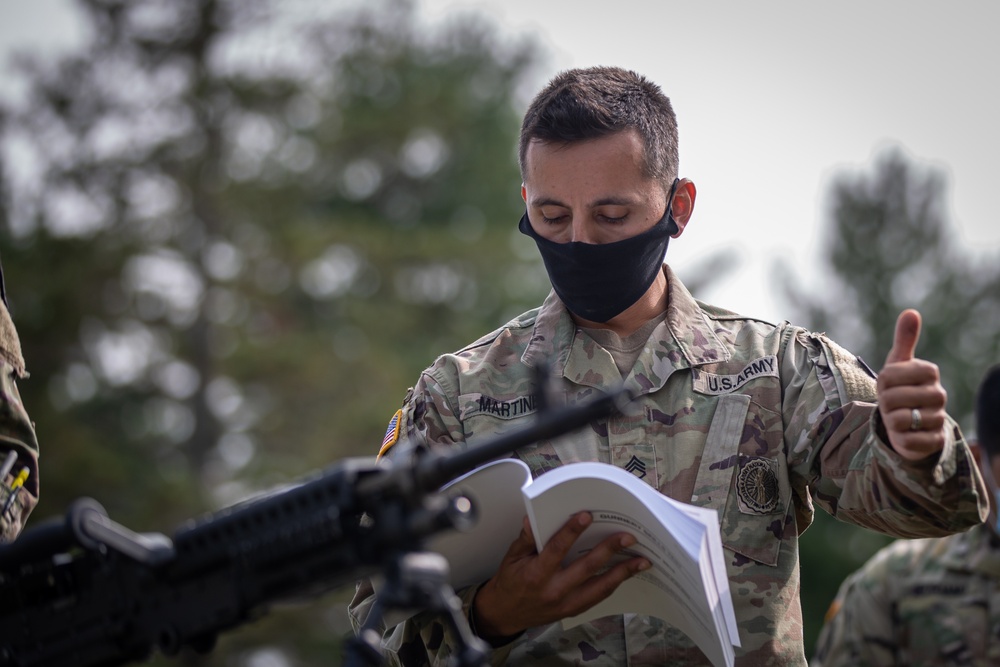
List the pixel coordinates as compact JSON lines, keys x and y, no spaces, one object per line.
{"x":904,"y":342}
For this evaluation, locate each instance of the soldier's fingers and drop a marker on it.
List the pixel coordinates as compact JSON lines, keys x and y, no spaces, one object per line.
{"x":913,"y":372}
{"x":593,"y":564}
{"x":930,"y":397}
{"x":904,"y":340}
{"x":598,"y":557}
{"x":555,"y":550}
{"x":599,"y":587}
{"x":916,"y":445}
{"x":524,"y":545}
{"x":903,"y":420}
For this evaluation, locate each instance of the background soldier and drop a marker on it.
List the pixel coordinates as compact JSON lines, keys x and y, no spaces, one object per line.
{"x":18,"y":445}
{"x":932,"y":601}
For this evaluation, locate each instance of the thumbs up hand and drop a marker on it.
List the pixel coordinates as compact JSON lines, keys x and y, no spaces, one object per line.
{"x":911,"y":399}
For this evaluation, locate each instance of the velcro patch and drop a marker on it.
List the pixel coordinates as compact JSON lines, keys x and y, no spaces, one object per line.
{"x":855,"y":378}
{"x":391,"y":433}
{"x":714,"y":385}
{"x":499,"y":408}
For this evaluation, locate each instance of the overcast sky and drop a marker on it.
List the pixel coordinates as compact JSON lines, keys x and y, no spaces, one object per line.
{"x":772,"y":99}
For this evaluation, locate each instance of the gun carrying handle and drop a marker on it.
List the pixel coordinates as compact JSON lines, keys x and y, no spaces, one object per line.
{"x":94,"y":530}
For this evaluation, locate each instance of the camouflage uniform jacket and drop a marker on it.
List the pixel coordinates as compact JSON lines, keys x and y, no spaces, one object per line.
{"x":17,"y":434}
{"x":755,"y":420}
{"x":919,"y":603}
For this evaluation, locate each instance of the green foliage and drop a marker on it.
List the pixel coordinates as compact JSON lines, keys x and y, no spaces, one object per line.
{"x":226,"y":269}
{"x":889,"y":248}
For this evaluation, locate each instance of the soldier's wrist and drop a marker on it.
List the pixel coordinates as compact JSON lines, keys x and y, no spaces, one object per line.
{"x":484,"y":631}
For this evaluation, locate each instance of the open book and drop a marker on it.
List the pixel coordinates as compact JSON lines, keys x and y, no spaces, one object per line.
{"x":686,"y":586}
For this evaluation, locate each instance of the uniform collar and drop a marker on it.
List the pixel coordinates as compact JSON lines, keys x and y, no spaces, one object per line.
{"x":691,"y":329}
{"x":692,"y":340}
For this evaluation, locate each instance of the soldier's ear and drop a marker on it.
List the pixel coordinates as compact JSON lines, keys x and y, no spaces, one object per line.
{"x":682,"y":205}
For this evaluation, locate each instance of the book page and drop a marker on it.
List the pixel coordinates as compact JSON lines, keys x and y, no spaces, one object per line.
{"x":711,"y":518}
{"x":680,"y":587}
{"x":495,"y":491}
{"x":475,"y":554}
{"x":686,"y":586}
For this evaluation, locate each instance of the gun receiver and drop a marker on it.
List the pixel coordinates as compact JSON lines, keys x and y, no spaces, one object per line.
{"x":84,"y":591}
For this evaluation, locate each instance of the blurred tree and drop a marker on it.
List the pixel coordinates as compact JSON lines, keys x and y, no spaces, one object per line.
{"x":890,"y":247}
{"x":233,"y":232}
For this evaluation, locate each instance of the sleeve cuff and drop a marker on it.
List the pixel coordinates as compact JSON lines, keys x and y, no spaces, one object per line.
{"x":500,"y":647}
{"x":937,"y":468}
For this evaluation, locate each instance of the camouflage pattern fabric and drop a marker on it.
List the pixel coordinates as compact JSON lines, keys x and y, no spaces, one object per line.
{"x":17,"y":434}
{"x":754,"y":420}
{"x":919,"y":603}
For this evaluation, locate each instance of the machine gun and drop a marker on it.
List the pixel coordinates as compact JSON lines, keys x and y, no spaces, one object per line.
{"x":84,"y":591}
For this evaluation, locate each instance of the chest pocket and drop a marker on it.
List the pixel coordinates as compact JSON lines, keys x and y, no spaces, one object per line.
{"x":743,"y":475}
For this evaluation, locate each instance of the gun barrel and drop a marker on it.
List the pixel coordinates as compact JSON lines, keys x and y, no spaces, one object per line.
{"x":548,"y":424}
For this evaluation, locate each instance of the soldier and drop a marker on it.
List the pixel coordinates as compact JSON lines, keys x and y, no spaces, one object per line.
{"x":756,"y":420}
{"x":924,"y":603}
{"x":18,"y":446}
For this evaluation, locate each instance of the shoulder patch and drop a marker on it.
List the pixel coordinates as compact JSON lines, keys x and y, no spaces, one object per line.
{"x":391,"y":433}
{"x":856,"y":378}
{"x":832,"y":610}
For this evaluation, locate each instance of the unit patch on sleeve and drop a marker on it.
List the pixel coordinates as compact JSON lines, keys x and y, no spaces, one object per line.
{"x":713,"y":384}
{"x":391,"y":433}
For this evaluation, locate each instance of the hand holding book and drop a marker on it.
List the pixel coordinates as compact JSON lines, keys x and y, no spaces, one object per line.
{"x":533,"y":588}
{"x":576,"y":556}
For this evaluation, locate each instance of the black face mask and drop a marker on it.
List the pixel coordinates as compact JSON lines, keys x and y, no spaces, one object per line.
{"x":597,"y":281}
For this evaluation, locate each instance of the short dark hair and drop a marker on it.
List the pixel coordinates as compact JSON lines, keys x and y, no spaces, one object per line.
{"x":988,"y":412}
{"x":582,"y":104}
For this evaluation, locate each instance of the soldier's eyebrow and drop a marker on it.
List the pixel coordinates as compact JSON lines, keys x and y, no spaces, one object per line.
{"x":603,"y":201}
{"x":613,"y":201}
{"x":546,"y":201}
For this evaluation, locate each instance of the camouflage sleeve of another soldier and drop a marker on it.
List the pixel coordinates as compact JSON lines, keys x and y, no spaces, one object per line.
{"x":858,"y":629}
{"x":18,"y":444}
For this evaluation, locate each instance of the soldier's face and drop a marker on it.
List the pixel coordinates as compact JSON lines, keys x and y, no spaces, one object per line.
{"x":591,"y":191}
{"x":990,"y":468}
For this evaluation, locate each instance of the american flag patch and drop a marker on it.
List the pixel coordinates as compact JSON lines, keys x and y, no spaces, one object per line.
{"x":391,"y":432}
